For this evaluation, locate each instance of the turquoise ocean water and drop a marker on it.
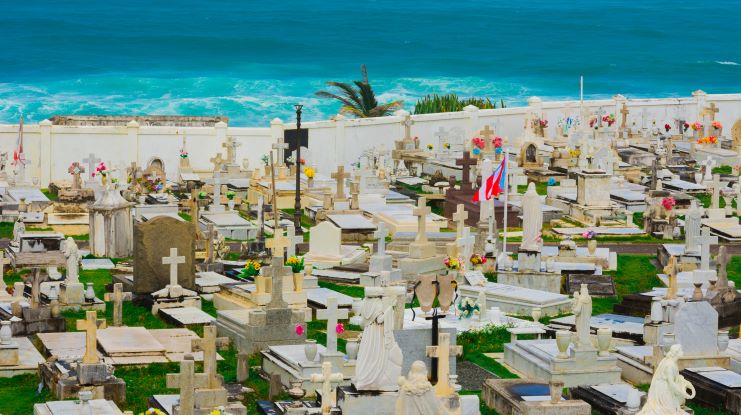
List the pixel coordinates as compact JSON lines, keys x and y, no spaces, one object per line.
{"x":251,"y":61}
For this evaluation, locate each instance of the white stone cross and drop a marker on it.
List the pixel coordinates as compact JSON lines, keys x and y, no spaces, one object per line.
{"x":217,"y":188}
{"x":466,"y":242}
{"x":326,"y":378}
{"x":280,"y":146}
{"x":442,"y":353}
{"x":231,"y":149}
{"x":715,"y":199}
{"x":208,"y":345}
{"x":708,"y":164}
{"x":332,"y":313}
{"x":173,"y":260}
{"x":705,"y":241}
{"x":187,"y":381}
{"x":421,"y":212}
{"x":459,"y":217}
{"x":276,"y":271}
{"x":340,"y":177}
{"x":600,"y":113}
{"x":91,"y":324}
{"x":407,"y":122}
{"x":381,"y":233}
{"x":293,"y":239}
{"x":91,"y":161}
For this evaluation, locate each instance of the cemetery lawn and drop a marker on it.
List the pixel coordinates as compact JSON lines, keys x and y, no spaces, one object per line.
{"x":634,"y":274}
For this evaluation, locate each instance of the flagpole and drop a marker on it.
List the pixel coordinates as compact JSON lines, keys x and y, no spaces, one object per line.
{"x":506,"y":196}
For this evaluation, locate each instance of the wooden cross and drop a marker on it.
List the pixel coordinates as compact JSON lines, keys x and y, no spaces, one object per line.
{"x":380,"y":234}
{"x":421,"y":212}
{"x":671,"y":270}
{"x":275,"y":272}
{"x":91,"y":324}
{"x":326,"y":378}
{"x":187,"y":381}
{"x":442,"y":353}
{"x":722,"y":260}
{"x":217,"y":161}
{"x":208,"y":345}
{"x":705,"y":240}
{"x":118,"y":297}
{"x":278,"y":242}
{"x":340,"y":177}
{"x":466,"y":162}
{"x":709,"y":111}
{"x":173,"y":260}
{"x":332,"y":313}
{"x":624,"y":111}
{"x":459,"y":217}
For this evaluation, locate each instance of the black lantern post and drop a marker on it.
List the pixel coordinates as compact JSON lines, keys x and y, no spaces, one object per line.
{"x":297,"y":204}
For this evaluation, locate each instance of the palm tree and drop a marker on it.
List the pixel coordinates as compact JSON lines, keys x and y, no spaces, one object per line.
{"x":359,"y":99}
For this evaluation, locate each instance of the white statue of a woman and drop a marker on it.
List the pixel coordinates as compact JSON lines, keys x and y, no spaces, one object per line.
{"x":582,"y":308}
{"x":73,"y":256}
{"x":416,"y":396}
{"x":379,"y":359}
{"x":669,"y":389}
{"x":532,"y":220}
{"x":18,"y":228}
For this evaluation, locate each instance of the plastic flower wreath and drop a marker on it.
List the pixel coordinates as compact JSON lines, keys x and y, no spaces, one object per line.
{"x":478,"y":142}
{"x":183,"y":153}
{"x":101,"y":169}
{"x":686,"y":126}
{"x":543,"y":123}
{"x":476,"y":151}
{"x":609,"y":119}
{"x":497,"y":141}
{"x":551,"y":181}
{"x":446,"y":146}
{"x":711,"y":139}
{"x":430,"y":147}
{"x":697,"y":126}
{"x":309,"y":172}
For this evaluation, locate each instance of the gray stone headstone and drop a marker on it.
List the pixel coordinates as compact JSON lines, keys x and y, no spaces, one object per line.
{"x":696,"y":328}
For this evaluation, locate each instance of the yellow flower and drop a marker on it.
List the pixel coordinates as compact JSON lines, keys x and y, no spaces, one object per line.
{"x":309,"y":172}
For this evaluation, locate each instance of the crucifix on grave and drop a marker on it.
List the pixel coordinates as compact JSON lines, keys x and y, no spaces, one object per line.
{"x":465,"y":244}
{"x":624,"y":112}
{"x":708,"y":116}
{"x":354,"y":193}
{"x":76,"y":169}
{"x":281,"y":147}
{"x":91,"y":324}
{"x":91,"y":161}
{"x":217,"y":161}
{"x":600,"y":113}
{"x":704,"y":241}
{"x":487,"y":134}
{"x":174,"y":289}
{"x":187,"y":381}
{"x":36,"y":280}
{"x":332,"y":314}
{"x":118,"y":297}
{"x":3,"y":287}
{"x":671,"y":270}
{"x":275,"y":272}
{"x":293,"y":240}
{"x":459,"y":217}
{"x":278,"y":243}
{"x":407,"y":122}
{"x":231,"y":149}
{"x":340,"y":177}
{"x":421,"y":247}
{"x":208,"y":345}
{"x":380,"y":234}
{"x":326,"y":378}
{"x":442,"y":352}
{"x":466,"y":162}
{"x":210,"y":237}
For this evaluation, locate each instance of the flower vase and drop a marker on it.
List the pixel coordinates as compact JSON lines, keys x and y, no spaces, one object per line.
{"x":563,"y":339}
{"x":729,"y":206}
{"x":722,"y":340}
{"x":351,"y":347}
{"x":454,"y":273}
{"x":536,"y":314}
{"x":667,"y":341}
{"x":6,"y":333}
{"x":556,"y":389}
{"x":604,"y":336}
{"x":718,"y":132}
{"x":592,"y":246}
{"x":103,"y":179}
{"x":310,"y":181}
{"x":89,"y":293}
{"x":230,"y":204}
{"x":260,"y":287}
{"x":657,"y":310}
{"x":310,"y":349}
{"x":267,"y":170}
{"x":298,"y":282}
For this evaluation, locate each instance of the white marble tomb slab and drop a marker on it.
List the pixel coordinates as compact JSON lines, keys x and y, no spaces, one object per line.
{"x":320,"y":295}
{"x":31,"y":194}
{"x":125,"y":341}
{"x":188,"y":315}
{"x":97,"y":263}
{"x":717,"y":374}
{"x":352,"y":222}
{"x":616,"y":391}
{"x":98,"y":406}
{"x":225,"y":219}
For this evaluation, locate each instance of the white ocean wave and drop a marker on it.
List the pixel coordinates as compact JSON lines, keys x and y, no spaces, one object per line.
{"x":731,"y":63}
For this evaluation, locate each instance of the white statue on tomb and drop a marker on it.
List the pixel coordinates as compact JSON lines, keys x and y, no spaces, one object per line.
{"x":582,"y":308}
{"x":73,"y":257}
{"x":18,"y":228}
{"x":669,"y":389}
{"x":532,"y":220}
{"x":416,"y":395}
{"x":379,"y":357}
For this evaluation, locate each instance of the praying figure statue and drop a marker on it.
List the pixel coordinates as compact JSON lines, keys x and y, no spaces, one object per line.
{"x":18,"y":228}
{"x":669,"y":389}
{"x":582,"y":309}
{"x":73,"y":258}
{"x":416,"y":396}
{"x":379,"y":359}
{"x":532,"y":220}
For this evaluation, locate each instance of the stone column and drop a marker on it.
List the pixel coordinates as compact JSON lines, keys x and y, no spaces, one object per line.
{"x":45,"y":145}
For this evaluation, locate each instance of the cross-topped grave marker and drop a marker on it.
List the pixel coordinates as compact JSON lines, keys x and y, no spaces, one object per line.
{"x":293,"y":240}
{"x":174,"y":289}
{"x":326,"y":378}
{"x":231,"y":149}
{"x":278,"y":243}
{"x":624,"y":112}
{"x":710,"y":111}
{"x":705,"y":240}
{"x":91,"y":324}
{"x":380,"y":234}
{"x":217,"y":161}
{"x":671,"y":270}
{"x":280,"y":146}
{"x":442,"y":353}
{"x":421,"y":212}
{"x":91,"y":162}
{"x":459,"y":217}
{"x":407,"y":122}
{"x":275,"y":272}
{"x":340,"y":177}
{"x":118,"y":297}
{"x":187,"y":381}
{"x":466,"y":243}
{"x":466,"y":162}
{"x":332,"y":313}
{"x":722,"y":260}
{"x":208,"y":345}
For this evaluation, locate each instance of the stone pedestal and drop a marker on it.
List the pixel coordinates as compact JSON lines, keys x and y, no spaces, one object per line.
{"x":9,"y":354}
{"x":506,"y":396}
{"x":351,"y":401}
{"x":411,"y":267}
{"x":72,"y":293}
{"x":111,"y":226}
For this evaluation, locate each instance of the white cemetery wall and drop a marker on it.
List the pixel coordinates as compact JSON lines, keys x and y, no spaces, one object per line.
{"x":52,"y":148}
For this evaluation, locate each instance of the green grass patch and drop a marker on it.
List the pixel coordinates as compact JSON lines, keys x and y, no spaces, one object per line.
{"x":724,"y":169}
{"x":540,"y":188}
{"x":351,"y":290}
{"x":18,"y":394}
{"x":186,"y":217}
{"x":634,"y":274}
{"x":51,"y":196}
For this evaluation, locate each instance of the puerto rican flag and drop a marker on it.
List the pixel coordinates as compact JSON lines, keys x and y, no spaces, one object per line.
{"x":493,"y":185}
{"x":18,"y":157}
